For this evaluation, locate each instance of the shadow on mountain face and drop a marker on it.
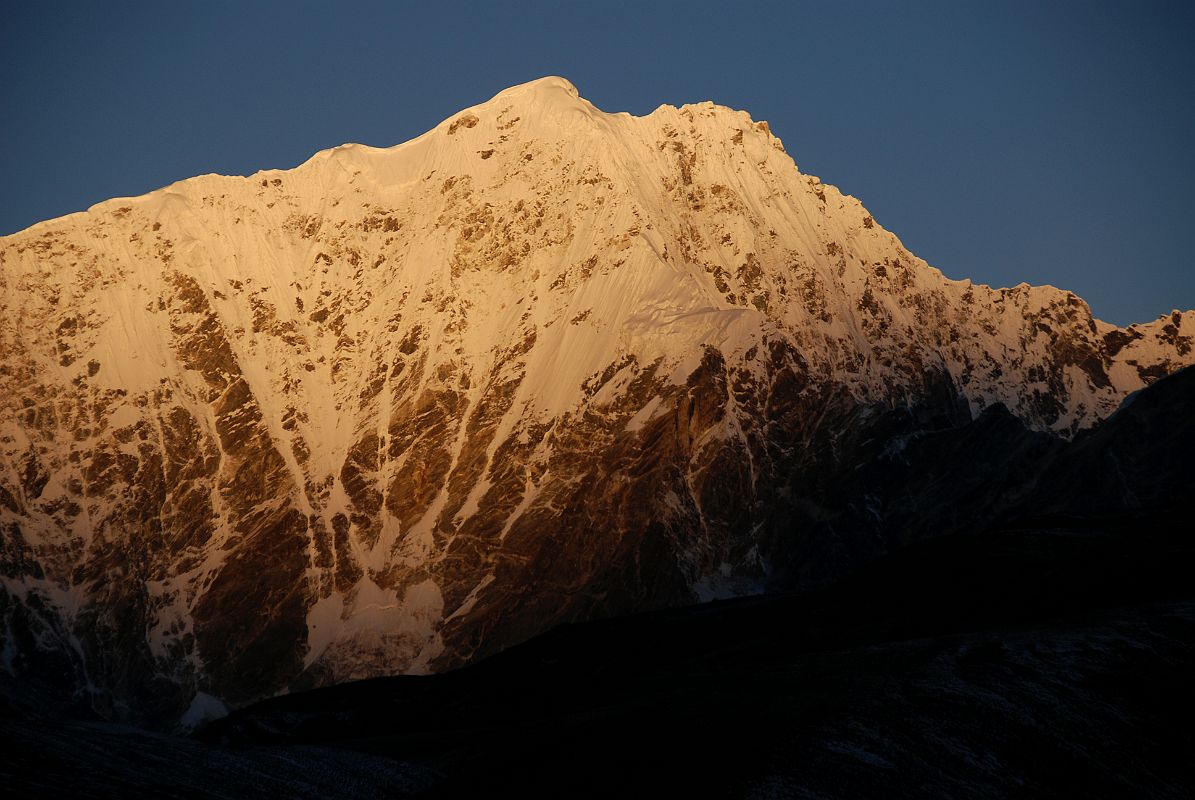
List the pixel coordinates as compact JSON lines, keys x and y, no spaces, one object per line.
{"x":1038,"y":661}
{"x":881,"y":479}
{"x":1046,"y":653}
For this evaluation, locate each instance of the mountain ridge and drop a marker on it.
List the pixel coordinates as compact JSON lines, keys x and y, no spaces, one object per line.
{"x":551,"y":81}
{"x":397,"y":408}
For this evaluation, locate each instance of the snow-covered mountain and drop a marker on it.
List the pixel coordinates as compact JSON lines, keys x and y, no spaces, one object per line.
{"x":398,"y":408}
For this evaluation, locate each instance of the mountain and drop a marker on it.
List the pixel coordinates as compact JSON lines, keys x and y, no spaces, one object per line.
{"x":1047,"y":654}
{"x":1044,"y":652}
{"x":398,"y":409}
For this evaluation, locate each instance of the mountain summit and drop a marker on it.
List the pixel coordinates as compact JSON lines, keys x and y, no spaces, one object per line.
{"x":399,"y":408}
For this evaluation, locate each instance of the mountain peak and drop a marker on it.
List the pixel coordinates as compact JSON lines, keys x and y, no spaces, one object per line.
{"x":548,"y":100}
{"x":546,"y":89}
{"x":550,"y":93}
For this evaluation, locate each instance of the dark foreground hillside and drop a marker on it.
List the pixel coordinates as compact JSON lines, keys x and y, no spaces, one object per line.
{"x":1049,"y":661}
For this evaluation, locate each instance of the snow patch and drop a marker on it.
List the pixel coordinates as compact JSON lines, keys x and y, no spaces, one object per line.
{"x":204,"y":708}
{"x":369,"y":613}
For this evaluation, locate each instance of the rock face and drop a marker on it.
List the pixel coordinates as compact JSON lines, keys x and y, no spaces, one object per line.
{"x":396,"y":409}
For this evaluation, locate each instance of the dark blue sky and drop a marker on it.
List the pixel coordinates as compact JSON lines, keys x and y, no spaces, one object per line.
{"x":1001,"y":141}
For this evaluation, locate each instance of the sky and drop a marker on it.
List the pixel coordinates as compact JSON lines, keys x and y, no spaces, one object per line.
{"x":1002,"y":142}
